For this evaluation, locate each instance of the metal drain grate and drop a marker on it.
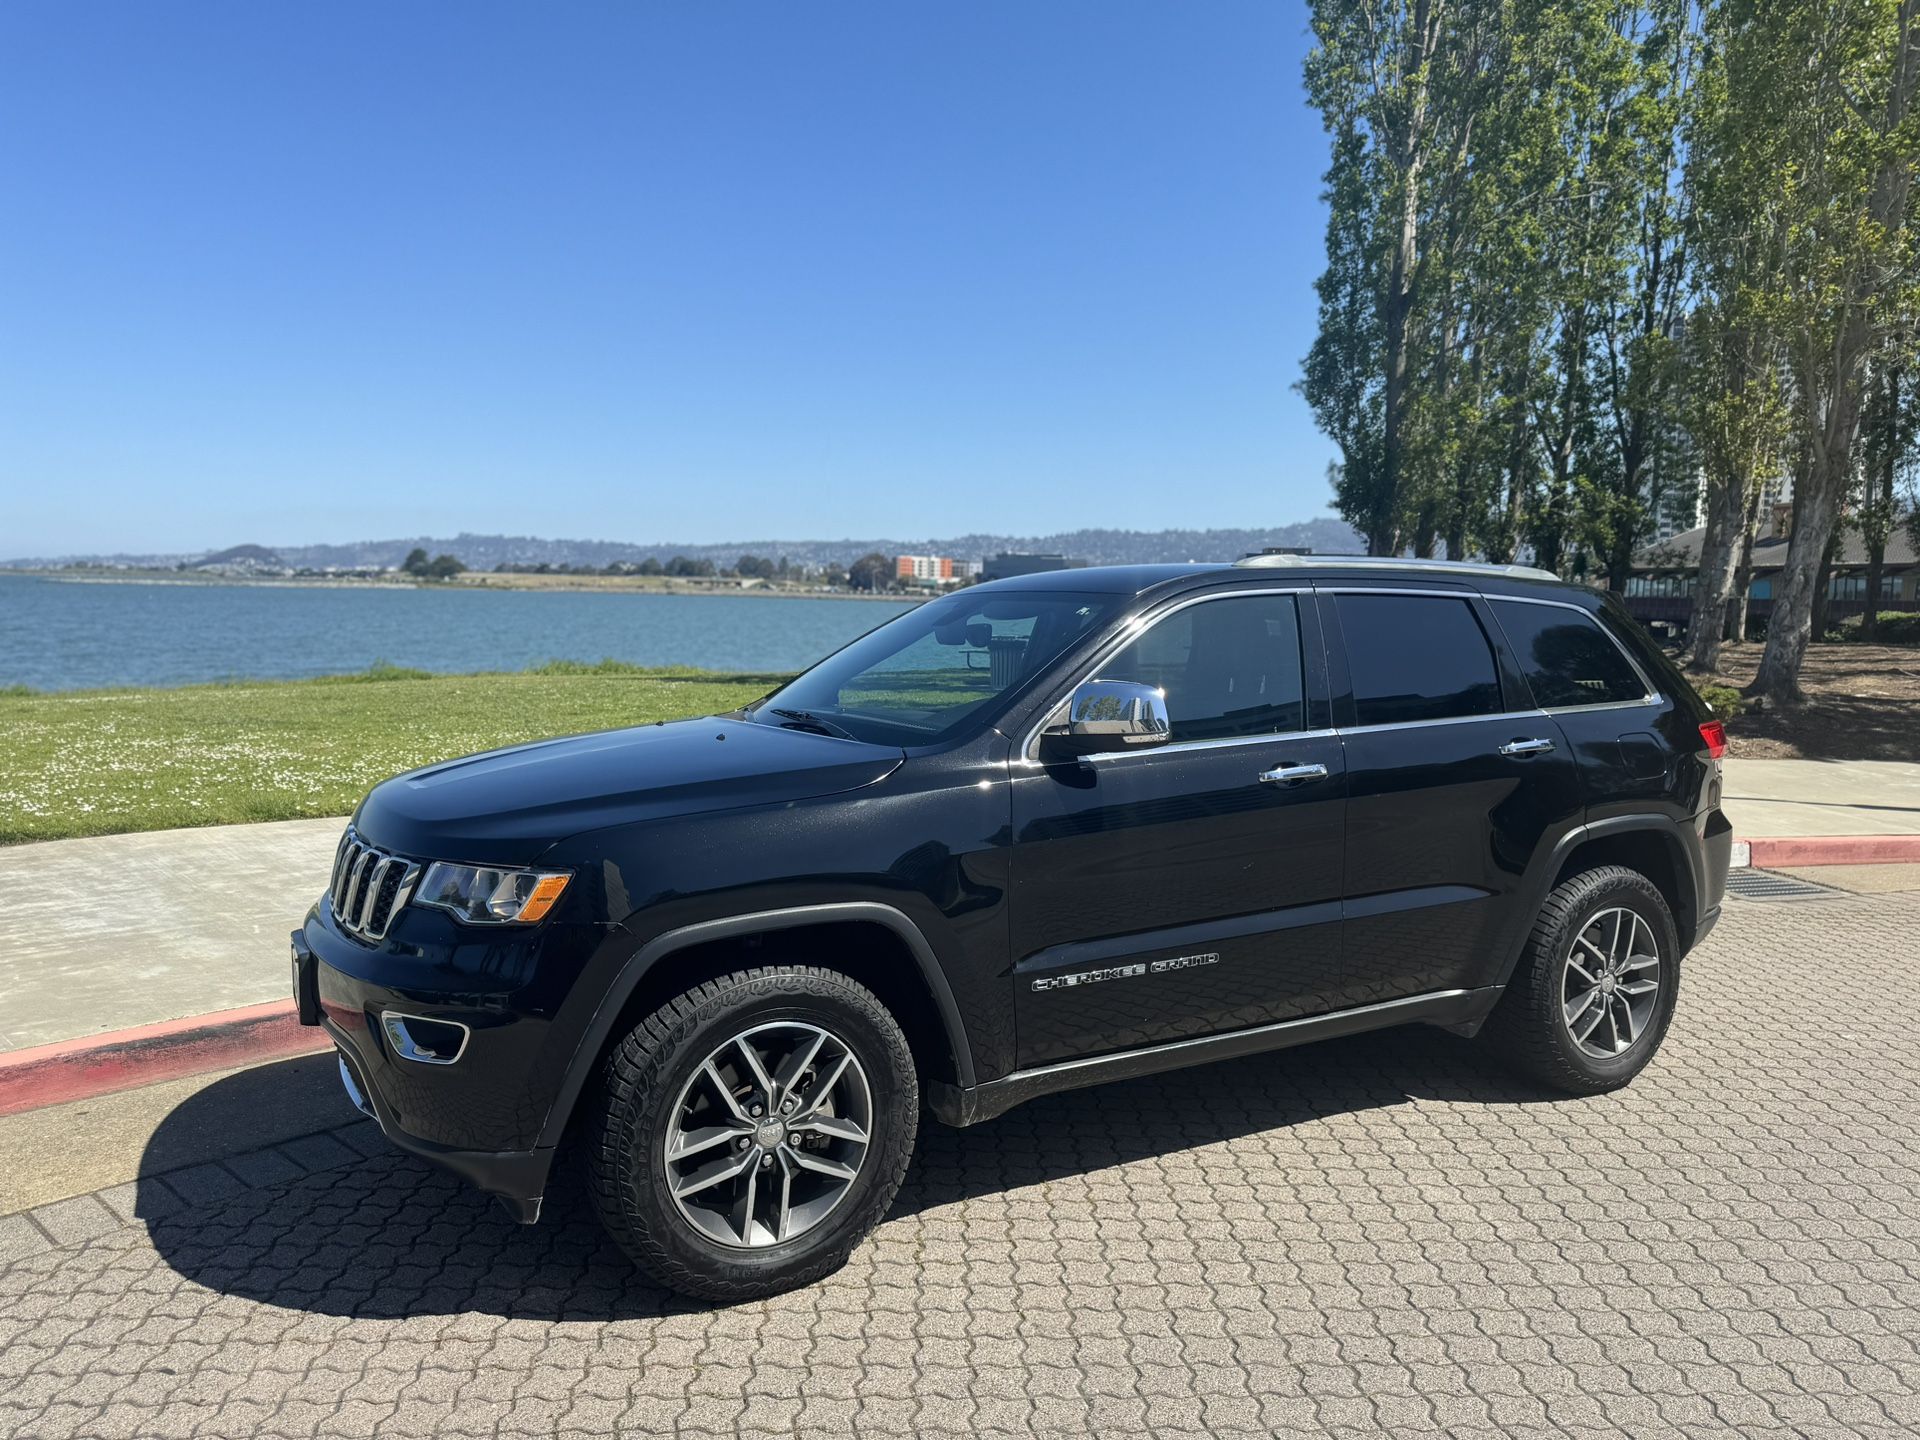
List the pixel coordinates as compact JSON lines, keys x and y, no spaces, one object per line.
{"x":1766,"y":885}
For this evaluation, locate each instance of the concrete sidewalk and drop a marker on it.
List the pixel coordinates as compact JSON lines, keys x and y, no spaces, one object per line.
{"x":1767,"y":799}
{"x":123,"y":930}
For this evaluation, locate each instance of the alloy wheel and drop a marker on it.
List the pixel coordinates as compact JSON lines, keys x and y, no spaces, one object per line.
{"x":769,"y":1135}
{"x":1611,"y":984}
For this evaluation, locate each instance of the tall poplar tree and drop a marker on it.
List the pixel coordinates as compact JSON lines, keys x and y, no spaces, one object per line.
{"x":1394,"y":81}
{"x":1837,"y":83}
{"x":1642,"y":456}
{"x":1735,"y":393}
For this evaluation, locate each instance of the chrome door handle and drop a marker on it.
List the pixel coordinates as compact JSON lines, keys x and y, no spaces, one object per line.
{"x":1293,"y":774}
{"x":1526,"y":747}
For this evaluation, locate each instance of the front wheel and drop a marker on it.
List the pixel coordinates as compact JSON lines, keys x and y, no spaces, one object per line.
{"x":1594,"y":991}
{"x":753,"y":1130}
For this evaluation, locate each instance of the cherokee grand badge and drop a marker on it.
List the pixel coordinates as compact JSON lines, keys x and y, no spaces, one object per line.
{"x":1125,"y":972}
{"x":1185,"y":962}
{"x":1090,"y":977}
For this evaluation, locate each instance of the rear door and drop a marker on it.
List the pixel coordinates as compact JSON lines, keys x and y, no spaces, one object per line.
{"x":1455,"y":781}
{"x":1175,"y":891}
{"x":1606,"y":707}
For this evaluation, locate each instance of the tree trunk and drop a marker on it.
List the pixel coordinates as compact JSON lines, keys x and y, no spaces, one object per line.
{"x":1879,"y":511}
{"x":1633,"y":462}
{"x":1718,"y":546}
{"x":1791,"y":625}
{"x":1740,"y":604}
{"x":1385,"y":537}
{"x":1455,"y":538}
{"x":1620,"y":562}
{"x":1876,"y":571}
{"x":1504,"y":544}
{"x":1426,"y":532}
{"x":1823,"y":587}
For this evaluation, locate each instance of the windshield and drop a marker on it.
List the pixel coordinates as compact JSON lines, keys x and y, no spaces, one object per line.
{"x":928,"y":675}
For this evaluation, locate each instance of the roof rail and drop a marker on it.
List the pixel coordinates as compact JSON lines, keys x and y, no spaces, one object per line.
{"x":1393,"y":562}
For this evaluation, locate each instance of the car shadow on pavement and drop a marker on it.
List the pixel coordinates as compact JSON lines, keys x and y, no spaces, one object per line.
{"x":386,"y":1236}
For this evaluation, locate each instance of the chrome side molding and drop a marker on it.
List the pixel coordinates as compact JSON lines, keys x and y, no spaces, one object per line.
{"x":1460,"y":1010}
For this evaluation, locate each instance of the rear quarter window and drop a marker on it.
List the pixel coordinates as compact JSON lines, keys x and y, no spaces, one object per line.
{"x":1568,"y":659}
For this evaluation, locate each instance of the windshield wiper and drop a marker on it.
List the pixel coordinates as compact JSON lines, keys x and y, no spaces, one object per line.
{"x":807,"y":720}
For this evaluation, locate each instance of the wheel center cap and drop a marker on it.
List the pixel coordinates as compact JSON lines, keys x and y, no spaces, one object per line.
{"x":770,"y":1135}
{"x":1606,"y":984}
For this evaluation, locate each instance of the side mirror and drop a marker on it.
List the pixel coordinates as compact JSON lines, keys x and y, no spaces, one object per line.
{"x":1111,"y":715}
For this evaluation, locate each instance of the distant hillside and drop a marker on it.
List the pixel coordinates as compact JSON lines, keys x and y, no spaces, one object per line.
{"x":241,"y":557}
{"x":484,"y":552}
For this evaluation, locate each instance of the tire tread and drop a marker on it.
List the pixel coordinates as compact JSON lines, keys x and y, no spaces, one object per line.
{"x":631,"y":1073}
{"x":1524,"y":1028}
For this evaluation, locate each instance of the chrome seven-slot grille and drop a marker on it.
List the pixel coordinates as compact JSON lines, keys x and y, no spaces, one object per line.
{"x":369,"y":887}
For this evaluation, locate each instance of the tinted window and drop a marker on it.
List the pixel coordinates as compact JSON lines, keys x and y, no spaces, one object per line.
{"x":1228,"y":667}
{"x":938,"y":669}
{"x":1568,"y":658}
{"x":1415,"y":657}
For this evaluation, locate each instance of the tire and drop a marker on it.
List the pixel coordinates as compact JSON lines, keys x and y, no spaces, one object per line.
{"x":1538,"y":1023}
{"x":789,"y":1217}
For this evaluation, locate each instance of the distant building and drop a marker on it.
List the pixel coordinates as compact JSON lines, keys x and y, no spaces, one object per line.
{"x":930,"y":569}
{"x":1665,"y":575}
{"x":1007,"y":564}
{"x":1677,"y":511}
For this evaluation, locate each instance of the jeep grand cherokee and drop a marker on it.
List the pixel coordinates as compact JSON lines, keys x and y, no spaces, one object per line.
{"x":1032,"y":835}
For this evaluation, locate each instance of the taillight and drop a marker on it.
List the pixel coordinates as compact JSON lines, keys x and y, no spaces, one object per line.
{"x":1714,"y":732}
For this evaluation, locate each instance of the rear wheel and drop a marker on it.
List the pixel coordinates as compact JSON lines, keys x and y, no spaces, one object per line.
{"x":1590,"y":1001}
{"x":753,"y":1130}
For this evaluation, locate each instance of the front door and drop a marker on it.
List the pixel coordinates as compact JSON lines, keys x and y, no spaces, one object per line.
{"x":1187,"y":889}
{"x":1456,"y":781}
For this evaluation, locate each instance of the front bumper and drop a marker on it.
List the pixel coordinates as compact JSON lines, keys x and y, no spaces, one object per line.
{"x":516,"y":1178}
{"x":476,"y":1109}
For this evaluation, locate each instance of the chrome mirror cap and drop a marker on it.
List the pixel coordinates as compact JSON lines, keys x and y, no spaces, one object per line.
{"x":1113,"y":715}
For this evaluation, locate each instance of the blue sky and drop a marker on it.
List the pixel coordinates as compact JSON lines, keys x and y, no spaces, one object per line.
{"x":649,"y":272}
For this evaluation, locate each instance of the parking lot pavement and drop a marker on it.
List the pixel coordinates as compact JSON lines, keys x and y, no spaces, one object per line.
{"x":1377,"y":1234}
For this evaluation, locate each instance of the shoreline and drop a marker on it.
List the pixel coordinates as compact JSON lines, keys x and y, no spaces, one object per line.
{"x":482,"y":581}
{"x":384,"y":674}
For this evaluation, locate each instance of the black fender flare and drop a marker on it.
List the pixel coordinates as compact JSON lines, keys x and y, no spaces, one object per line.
{"x":1675,"y":834}
{"x":600,"y":1028}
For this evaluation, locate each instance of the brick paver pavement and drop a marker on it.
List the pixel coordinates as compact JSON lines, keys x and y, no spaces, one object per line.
{"x":1380,"y":1234}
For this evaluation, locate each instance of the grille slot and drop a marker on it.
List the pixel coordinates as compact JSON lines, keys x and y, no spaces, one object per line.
{"x":369,"y":887}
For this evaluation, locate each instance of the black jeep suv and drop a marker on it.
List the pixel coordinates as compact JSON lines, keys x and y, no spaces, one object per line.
{"x":1032,"y":835}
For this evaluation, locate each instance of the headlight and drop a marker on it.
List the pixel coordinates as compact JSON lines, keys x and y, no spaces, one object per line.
{"x":483,"y":895}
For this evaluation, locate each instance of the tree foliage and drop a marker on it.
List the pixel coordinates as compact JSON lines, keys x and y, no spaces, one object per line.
{"x":1585,"y":257}
{"x":871,"y":572}
{"x":440,"y":567}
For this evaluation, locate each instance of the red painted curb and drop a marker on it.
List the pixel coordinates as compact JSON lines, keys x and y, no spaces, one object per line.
{"x":125,"y":1059}
{"x":1837,"y":850}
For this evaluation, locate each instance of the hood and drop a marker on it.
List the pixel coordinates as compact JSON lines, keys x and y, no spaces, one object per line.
{"x":507,"y":806}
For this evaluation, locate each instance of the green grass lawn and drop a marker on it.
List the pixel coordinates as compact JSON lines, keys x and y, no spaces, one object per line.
{"x":99,"y":762}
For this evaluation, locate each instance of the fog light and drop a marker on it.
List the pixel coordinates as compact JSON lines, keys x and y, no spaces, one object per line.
{"x":424,"y":1041}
